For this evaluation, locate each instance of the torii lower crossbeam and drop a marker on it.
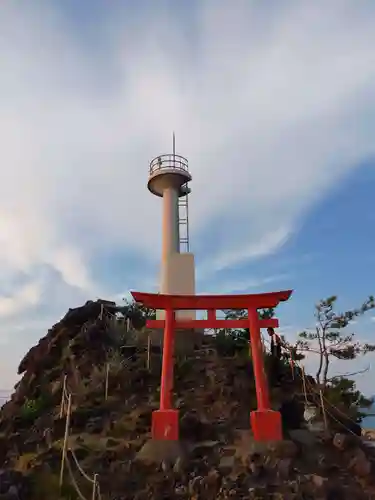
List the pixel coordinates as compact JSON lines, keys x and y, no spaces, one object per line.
{"x":265,"y":423}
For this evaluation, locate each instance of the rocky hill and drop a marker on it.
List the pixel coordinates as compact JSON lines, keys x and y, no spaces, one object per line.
{"x":114,"y":387}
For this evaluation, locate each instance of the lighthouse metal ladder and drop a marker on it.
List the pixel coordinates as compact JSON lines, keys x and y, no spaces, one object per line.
{"x":183,"y":218}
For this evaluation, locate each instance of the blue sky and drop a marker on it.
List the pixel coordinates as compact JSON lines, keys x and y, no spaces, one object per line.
{"x":272,"y":102}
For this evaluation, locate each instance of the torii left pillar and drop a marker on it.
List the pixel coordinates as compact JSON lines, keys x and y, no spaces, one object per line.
{"x":266,"y":424}
{"x":165,"y":420}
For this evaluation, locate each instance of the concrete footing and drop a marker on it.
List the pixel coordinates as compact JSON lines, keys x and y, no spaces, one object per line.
{"x":266,"y":425}
{"x":157,"y":451}
{"x":165,"y":425}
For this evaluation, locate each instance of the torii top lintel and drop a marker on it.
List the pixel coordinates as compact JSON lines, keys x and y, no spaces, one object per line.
{"x":209,"y":302}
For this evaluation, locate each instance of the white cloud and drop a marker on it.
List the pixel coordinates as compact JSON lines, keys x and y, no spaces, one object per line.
{"x":272,"y":107}
{"x":69,"y":263}
{"x":265,"y":117}
{"x":242,"y":286}
{"x":25,"y":297}
{"x":234,"y":256}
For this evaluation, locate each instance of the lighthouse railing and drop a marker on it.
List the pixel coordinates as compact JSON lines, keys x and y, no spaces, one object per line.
{"x":168,"y":161}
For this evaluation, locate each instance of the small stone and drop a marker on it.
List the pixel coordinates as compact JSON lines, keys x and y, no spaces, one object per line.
{"x":286,"y":449}
{"x":94,"y":425}
{"x":178,"y":466}
{"x":165,"y":466}
{"x":340,"y":441}
{"x":112,"y":442}
{"x":158,"y":451}
{"x":303,"y":437}
{"x":226,"y":464}
{"x":203,"y":448}
{"x":212,"y":480}
{"x":318,"y":481}
{"x":284,"y":467}
{"x":205,"y":444}
{"x":256,"y":469}
{"x":360,"y":464}
{"x":195,"y":484}
{"x":180,"y":490}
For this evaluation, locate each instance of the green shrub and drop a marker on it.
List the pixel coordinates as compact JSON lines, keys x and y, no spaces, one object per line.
{"x":341,"y":392}
{"x":229,"y":343}
{"x":33,"y":408}
{"x":45,"y":486}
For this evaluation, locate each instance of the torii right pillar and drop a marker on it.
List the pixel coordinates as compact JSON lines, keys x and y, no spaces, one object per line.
{"x":266,"y":424}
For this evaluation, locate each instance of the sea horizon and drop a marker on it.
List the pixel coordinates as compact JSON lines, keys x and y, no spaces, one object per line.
{"x":4,"y":396}
{"x":369,"y":422}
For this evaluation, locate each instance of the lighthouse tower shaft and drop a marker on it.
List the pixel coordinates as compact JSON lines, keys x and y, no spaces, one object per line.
{"x":168,"y":179}
{"x":171,"y":236}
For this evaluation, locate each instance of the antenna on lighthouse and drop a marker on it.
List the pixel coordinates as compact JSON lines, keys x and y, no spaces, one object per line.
{"x":174,"y":148}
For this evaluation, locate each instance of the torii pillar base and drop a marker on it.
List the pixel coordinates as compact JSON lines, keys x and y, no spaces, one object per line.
{"x":165,"y":425}
{"x":266,"y":425}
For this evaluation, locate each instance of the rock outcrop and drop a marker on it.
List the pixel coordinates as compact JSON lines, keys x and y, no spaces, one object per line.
{"x":114,"y":388}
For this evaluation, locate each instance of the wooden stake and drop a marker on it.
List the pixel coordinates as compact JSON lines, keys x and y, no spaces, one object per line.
{"x":63,"y":396}
{"x":66,"y":436}
{"x":304,"y":383}
{"x":148,"y":351}
{"x":323,"y":410}
{"x":93,"y":497}
{"x":101,"y":312}
{"x":291,"y":362}
{"x":106,"y":381}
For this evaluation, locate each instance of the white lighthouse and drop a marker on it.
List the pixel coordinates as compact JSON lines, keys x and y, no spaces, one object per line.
{"x":168,"y":178}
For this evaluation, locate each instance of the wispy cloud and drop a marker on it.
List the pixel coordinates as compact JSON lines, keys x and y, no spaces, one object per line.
{"x":25,"y":297}
{"x":242,"y":286}
{"x":291,"y":105}
{"x":263,"y":105}
{"x":235,"y":256}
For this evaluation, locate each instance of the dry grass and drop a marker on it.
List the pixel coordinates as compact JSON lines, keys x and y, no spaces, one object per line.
{"x":25,"y":462}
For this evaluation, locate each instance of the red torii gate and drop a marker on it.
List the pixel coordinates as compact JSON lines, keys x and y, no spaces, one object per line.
{"x":266,"y":423}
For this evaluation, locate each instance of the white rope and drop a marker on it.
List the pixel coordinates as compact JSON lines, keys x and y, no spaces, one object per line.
{"x":95,"y":492}
{"x":63,"y":396}
{"x":72,"y":478}
{"x":66,"y":436}
{"x":99,"y":495}
{"x":321,"y":398}
{"x":65,"y":459}
{"x":328,"y":412}
{"x":83,"y":473}
{"x":304,"y":383}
